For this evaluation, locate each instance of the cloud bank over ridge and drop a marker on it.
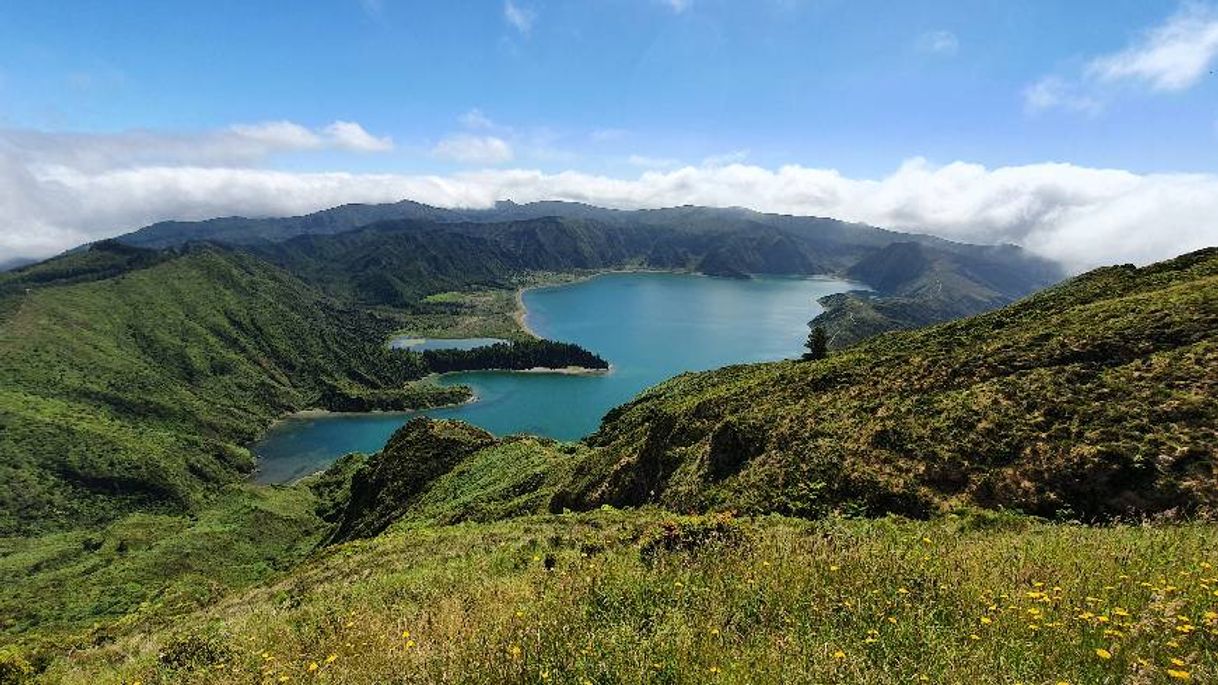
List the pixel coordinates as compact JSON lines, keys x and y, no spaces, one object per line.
{"x":60,"y":190}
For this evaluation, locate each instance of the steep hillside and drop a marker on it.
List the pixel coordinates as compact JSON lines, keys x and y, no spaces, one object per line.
{"x":413,"y":250}
{"x":916,"y":285}
{"x":1095,"y":399}
{"x":131,"y":378}
{"x":396,"y":263}
{"x":1092,"y":399}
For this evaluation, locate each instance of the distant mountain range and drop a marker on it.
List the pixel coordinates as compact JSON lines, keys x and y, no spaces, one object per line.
{"x":392,"y":254}
{"x":14,"y":263}
{"x":135,"y":369}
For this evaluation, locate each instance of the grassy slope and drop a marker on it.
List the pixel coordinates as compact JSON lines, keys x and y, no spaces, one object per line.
{"x":136,"y":390}
{"x":82,"y":587}
{"x":1095,"y":398}
{"x":646,"y":597}
{"x":643,"y":596}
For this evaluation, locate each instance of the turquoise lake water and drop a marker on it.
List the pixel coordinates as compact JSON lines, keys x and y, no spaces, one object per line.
{"x":649,"y":326}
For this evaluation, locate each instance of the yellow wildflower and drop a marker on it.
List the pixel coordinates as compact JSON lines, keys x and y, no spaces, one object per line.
{"x":839,"y":654}
{"x":1103,"y":653}
{"x":1179,"y":675}
{"x":313,"y":666}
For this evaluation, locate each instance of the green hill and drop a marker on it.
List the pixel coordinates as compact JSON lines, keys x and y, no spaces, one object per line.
{"x":394,"y":254}
{"x":132,"y":378}
{"x":1095,"y":399}
{"x":450,"y":556}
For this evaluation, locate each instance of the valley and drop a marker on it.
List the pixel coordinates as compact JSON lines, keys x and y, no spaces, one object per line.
{"x":650,"y":326}
{"x":1014,"y":446}
{"x":641,"y":342}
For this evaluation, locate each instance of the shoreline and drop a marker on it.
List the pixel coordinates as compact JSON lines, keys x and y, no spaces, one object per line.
{"x":317,"y":412}
{"x":564,"y":371}
{"x":521,"y":313}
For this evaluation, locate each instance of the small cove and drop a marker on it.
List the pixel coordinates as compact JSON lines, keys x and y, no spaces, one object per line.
{"x":650,"y":326}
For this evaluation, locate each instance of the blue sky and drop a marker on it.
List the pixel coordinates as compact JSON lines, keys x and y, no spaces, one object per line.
{"x":951,"y":108}
{"x":856,"y":86}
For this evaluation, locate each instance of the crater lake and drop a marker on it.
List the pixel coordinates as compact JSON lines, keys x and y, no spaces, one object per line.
{"x":648,"y":326}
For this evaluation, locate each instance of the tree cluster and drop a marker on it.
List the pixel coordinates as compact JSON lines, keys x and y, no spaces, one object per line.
{"x":522,"y":355}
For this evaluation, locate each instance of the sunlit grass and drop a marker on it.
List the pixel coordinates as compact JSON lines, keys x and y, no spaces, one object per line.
{"x":619,"y":597}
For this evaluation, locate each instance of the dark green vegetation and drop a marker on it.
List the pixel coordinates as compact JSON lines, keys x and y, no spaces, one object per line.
{"x":83,"y":587}
{"x":916,"y":285}
{"x":131,"y":379}
{"x":414,"y":250}
{"x":521,"y":355}
{"x":1095,"y":399}
{"x":382,"y":489}
{"x":816,"y":345}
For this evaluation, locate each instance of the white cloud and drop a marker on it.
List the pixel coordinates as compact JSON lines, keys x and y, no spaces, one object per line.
{"x":521,"y":18}
{"x":678,"y":6}
{"x":475,"y":119}
{"x":1055,"y":92}
{"x":240,"y":144}
{"x":351,"y":136}
{"x":277,"y":135}
{"x":1173,"y":56}
{"x":50,"y":200}
{"x":939,"y":43}
{"x":469,"y":149}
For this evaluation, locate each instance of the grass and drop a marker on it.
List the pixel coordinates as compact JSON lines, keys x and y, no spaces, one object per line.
{"x":62,"y":590}
{"x":465,"y":314}
{"x":138,"y":391}
{"x":480,"y":312}
{"x":645,"y":596}
{"x":1094,"y":399}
